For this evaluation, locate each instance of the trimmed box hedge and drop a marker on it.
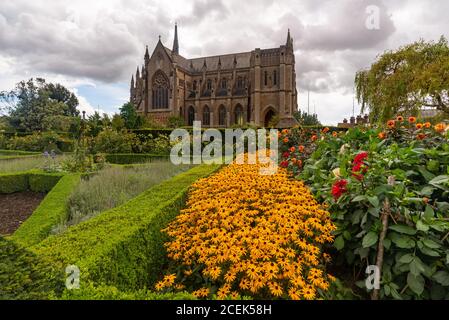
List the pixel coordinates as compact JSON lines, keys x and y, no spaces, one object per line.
{"x":23,"y":276}
{"x":124,"y":246}
{"x":50,"y":211}
{"x":18,"y":152}
{"x":33,"y":180}
{"x":90,"y":292}
{"x":131,"y":158}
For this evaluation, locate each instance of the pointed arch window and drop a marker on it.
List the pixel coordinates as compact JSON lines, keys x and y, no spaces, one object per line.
{"x":160,"y":87}
{"x":191,"y":115}
{"x":206,"y":116}
{"x":238,"y":115}
{"x":222,"y":116}
{"x":275,"y":77}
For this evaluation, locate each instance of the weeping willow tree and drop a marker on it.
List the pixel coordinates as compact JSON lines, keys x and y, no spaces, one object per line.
{"x":405,"y":81}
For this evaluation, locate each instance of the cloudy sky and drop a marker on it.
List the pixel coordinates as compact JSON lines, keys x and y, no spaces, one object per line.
{"x":93,"y":47}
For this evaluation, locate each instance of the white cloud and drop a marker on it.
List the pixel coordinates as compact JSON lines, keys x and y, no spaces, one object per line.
{"x":100,"y":43}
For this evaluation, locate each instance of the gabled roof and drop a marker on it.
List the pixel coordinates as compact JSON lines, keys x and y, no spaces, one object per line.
{"x":227,"y":61}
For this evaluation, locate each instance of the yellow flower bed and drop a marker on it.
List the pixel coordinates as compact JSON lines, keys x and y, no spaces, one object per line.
{"x":247,"y":234}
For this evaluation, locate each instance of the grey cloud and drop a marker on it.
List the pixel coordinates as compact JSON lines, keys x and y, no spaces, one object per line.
{"x":203,"y":9}
{"x":106,"y":49}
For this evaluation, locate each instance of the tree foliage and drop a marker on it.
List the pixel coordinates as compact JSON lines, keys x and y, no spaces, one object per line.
{"x":307,"y":119}
{"x":406,"y":80}
{"x":32,"y":102}
{"x":130,"y":116}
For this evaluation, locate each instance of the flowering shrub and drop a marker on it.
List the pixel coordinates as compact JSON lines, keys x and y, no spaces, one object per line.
{"x":400,"y":173}
{"x":246,"y":234}
{"x":297,"y":144}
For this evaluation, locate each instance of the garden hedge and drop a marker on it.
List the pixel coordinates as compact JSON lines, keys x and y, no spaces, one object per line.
{"x":131,"y":158}
{"x":33,"y":180}
{"x":18,"y":152}
{"x":123,"y":247}
{"x":23,"y":276}
{"x":90,"y":292}
{"x":51,"y":210}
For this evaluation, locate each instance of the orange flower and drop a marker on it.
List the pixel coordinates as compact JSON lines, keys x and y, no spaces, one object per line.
{"x":440,"y":127}
{"x":314,"y":137}
{"x":391,"y":124}
{"x":299,"y":163}
{"x":412,"y":119}
{"x":326,"y":130}
{"x":427,"y":125}
{"x":334,"y":134}
{"x":419,"y":126}
{"x":292,"y":149}
{"x":382,"y":135}
{"x":285,"y":140}
{"x":420,"y":136}
{"x":400,"y":118}
{"x":294,"y":160}
{"x":301,"y":148}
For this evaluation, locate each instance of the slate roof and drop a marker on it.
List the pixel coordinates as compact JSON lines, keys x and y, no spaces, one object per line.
{"x":212,"y":62}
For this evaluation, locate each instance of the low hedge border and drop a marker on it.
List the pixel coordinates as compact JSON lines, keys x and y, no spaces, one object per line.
{"x":90,"y":292}
{"x":33,"y":180}
{"x":131,"y":158}
{"x":50,"y":211}
{"x":18,"y":152}
{"x":124,"y":247}
{"x":16,"y":157}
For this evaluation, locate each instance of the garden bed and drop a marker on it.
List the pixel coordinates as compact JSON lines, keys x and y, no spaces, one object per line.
{"x":15,"y":208}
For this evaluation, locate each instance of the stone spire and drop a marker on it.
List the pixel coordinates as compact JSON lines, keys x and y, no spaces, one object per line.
{"x":132,"y":82}
{"x":289,"y":40}
{"x":137,"y":74}
{"x":175,"y":41}
{"x":147,"y":55}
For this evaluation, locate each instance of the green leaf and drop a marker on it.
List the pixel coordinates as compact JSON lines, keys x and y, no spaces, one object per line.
{"x":429,"y":213}
{"x":387,"y":243}
{"x":430,"y":243}
{"x":406,"y":258}
{"x":427,"y":191}
{"x":415,"y":283}
{"x":374,"y":201}
{"x":404,"y":242}
{"x":426,"y":174}
{"x":439,"y":180}
{"x":359,"y":198}
{"x":442,"y":277}
{"x":421,"y":226}
{"x":369,"y":239}
{"x":429,"y":252}
{"x":416,"y":266}
{"x":339,"y":243}
{"x":403,"y":229}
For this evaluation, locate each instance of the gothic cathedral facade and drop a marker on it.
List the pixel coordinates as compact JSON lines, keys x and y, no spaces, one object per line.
{"x":256,"y":87}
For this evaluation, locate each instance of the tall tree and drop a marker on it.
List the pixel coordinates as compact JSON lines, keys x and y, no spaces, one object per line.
{"x":60,"y":93}
{"x":406,"y":80}
{"x":129,"y":114}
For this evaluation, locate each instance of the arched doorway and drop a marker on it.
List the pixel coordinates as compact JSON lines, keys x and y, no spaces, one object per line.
{"x":268,"y":117}
{"x":191,"y":116}
{"x":238,"y":115}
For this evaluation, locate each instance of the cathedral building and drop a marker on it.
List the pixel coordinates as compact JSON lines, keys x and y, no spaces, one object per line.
{"x":256,"y":87}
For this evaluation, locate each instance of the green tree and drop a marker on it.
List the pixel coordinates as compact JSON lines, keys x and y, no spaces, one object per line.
{"x":117,"y":122}
{"x":31,"y":102}
{"x":130,"y":116}
{"x":406,"y":80}
{"x":60,"y":93}
{"x":306,"y":119}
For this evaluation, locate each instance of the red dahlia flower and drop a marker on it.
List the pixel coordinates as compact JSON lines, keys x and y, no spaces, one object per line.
{"x":339,"y":188}
{"x":284,"y":164}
